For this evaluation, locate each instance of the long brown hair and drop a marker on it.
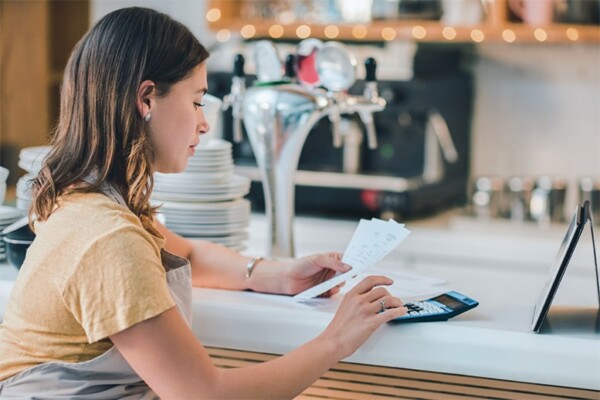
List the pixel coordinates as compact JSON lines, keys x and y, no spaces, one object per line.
{"x":100,"y":132}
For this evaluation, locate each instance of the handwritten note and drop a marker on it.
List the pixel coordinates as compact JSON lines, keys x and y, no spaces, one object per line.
{"x":371,"y":242}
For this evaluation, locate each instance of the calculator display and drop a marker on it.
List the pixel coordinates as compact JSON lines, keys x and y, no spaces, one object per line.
{"x":449,"y":301}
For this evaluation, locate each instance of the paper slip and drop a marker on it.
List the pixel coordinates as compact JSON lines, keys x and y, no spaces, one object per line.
{"x":371,"y":242}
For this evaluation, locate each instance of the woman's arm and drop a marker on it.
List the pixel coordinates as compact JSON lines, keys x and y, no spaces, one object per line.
{"x":216,"y":266}
{"x":167,"y":356}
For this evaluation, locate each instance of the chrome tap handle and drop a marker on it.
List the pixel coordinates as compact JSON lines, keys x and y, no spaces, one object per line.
{"x":437,"y":137}
{"x":371,"y":94}
{"x":440,"y":128}
{"x":235,"y":98}
{"x":367,"y":119}
{"x":290,"y":67}
{"x":334,"y":118}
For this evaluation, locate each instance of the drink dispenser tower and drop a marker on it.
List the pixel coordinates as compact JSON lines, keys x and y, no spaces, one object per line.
{"x":278,"y":115}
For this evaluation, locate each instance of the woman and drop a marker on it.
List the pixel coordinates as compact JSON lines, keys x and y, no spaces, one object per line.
{"x":101,"y":306}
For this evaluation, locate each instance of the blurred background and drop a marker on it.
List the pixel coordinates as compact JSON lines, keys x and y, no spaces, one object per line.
{"x":517,"y":83}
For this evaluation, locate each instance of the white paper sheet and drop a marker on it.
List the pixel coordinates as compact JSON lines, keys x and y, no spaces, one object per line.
{"x":371,"y":242}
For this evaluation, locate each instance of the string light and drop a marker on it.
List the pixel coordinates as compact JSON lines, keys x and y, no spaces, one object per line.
{"x":359,"y":32}
{"x":419,"y":32}
{"x":388,"y":34}
{"x":248,"y":31}
{"x":303,"y":31}
{"x":449,"y":33}
{"x":223,"y":35}
{"x":213,"y":15}
{"x":508,"y":36}
{"x":572,"y":34}
{"x":331,"y":31}
{"x":540,"y":34}
{"x":276,"y":31}
{"x":477,"y":35}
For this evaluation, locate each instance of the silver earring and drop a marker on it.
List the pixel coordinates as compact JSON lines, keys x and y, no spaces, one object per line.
{"x":147,"y":117}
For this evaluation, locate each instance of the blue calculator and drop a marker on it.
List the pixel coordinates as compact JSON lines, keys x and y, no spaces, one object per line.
{"x":438,"y":308}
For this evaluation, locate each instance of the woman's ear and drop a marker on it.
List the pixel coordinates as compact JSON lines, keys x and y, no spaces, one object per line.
{"x":145,"y":97}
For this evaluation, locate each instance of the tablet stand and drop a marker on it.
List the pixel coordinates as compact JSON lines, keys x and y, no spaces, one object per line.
{"x":582,"y":216}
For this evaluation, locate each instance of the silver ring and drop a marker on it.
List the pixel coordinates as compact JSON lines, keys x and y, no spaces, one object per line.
{"x":382,"y":302}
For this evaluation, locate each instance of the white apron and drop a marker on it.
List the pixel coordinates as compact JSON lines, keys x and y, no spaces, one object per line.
{"x":107,"y":376}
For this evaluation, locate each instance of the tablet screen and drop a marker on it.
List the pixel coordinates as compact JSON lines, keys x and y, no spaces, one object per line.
{"x":557,"y":270}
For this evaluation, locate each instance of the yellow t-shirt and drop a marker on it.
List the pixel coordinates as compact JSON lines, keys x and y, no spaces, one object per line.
{"x":91,"y":272}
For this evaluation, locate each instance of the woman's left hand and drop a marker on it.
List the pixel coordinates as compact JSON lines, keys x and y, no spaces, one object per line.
{"x":306,"y":272}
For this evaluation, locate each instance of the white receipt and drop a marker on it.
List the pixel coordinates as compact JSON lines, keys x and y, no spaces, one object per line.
{"x":371,"y":242}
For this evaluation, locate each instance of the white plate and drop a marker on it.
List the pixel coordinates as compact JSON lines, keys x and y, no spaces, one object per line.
{"x":194,"y":178}
{"x":229,"y":227}
{"x":239,"y":248}
{"x":206,"y":219}
{"x":210,"y":163}
{"x":183,"y":197}
{"x":23,"y":204}
{"x":242,"y":211}
{"x":32,"y":152}
{"x":9,"y":213}
{"x":234,"y":183}
{"x":203,"y":231}
{"x":215,"y":144}
{"x":226,"y":205}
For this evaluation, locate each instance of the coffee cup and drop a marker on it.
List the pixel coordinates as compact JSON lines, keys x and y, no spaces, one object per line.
{"x":547,"y":202}
{"x":486,"y":197}
{"x":519,"y":198}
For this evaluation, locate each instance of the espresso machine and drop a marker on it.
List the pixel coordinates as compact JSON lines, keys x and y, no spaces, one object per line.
{"x":348,"y":147}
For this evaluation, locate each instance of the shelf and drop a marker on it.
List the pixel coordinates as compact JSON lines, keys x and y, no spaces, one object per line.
{"x":420,"y":31}
{"x":224,"y":19}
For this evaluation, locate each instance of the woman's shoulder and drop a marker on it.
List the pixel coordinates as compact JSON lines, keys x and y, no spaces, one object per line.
{"x":90,"y":215}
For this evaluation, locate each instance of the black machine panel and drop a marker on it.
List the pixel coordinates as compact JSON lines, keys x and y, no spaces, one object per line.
{"x":401,"y":138}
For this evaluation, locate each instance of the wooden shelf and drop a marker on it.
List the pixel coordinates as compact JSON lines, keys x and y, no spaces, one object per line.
{"x":495,"y":29}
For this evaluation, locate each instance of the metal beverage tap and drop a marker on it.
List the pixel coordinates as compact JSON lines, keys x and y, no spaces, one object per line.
{"x":278,"y":117}
{"x":438,"y":143}
{"x":371,"y":94}
{"x":235,"y":97}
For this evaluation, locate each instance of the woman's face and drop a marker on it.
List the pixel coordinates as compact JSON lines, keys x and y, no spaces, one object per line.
{"x":177,"y":121}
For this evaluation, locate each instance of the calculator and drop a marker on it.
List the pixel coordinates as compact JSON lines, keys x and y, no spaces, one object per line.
{"x":438,"y":308}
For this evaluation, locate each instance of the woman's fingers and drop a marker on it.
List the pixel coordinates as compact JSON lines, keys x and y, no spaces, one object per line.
{"x":332,"y":262}
{"x":367,"y":284}
{"x":385,"y":302}
{"x":376,"y":293}
{"x":391,"y":313}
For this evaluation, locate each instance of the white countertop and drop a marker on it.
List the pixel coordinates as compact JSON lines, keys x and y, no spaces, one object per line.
{"x":501,"y":266}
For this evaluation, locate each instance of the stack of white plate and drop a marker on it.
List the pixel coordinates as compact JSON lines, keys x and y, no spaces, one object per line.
{"x":24,"y":192}
{"x":30,"y":159}
{"x":8,"y":215}
{"x":206,"y":200}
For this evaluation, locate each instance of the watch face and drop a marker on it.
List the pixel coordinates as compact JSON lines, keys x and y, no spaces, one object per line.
{"x":336,"y":67}
{"x":306,"y":68}
{"x":267,"y":61}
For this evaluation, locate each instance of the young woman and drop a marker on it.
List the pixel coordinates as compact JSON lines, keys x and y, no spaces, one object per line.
{"x":101,"y":307}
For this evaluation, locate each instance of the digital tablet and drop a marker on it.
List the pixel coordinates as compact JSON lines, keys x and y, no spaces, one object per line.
{"x":581,"y":216}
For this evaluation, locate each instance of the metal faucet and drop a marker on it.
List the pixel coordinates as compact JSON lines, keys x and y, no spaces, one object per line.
{"x":235,"y":97}
{"x":437,"y":137}
{"x":277,"y":119}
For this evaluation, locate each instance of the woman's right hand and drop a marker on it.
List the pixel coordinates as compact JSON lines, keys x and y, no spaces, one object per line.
{"x":359,"y":314}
